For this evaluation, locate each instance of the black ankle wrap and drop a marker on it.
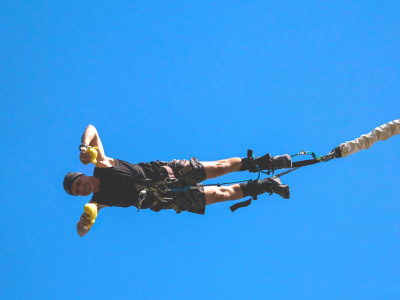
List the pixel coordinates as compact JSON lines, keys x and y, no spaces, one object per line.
{"x":250,"y":188}
{"x":255,"y":187}
{"x":248,"y":164}
{"x":255,"y":164}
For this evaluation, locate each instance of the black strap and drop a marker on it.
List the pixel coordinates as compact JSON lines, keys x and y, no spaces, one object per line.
{"x":304,"y":163}
{"x":83,"y":146}
{"x":250,"y":154}
{"x":251,"y":164}
{"x":244,"y":203}
{"x":241,"y":204}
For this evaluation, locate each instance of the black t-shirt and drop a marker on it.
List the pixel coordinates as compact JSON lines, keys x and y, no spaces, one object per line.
{"x":117,"y":183}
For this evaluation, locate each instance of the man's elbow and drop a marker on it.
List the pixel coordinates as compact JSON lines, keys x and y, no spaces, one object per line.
{"x":90,"y":126}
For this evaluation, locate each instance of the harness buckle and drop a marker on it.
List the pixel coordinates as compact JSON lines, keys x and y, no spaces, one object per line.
{"x":141,"y":198}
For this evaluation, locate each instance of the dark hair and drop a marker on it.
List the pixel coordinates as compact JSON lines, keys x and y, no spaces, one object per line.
{"x":69,"y":180}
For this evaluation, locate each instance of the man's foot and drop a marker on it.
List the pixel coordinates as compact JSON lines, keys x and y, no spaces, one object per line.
{"x":274,"y":185}
{"x":267,"y":185}
{"x":271,"y":163}
{"x":266,"y":162}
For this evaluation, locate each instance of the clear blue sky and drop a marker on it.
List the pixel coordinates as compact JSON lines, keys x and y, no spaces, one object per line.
{"x":175,"y":79}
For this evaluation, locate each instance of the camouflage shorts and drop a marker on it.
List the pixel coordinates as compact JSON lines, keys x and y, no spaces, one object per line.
{"x":193,"y":201}
{"x":189,"y":173}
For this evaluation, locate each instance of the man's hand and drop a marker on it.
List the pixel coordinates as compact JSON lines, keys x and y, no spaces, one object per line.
{"x":83,"y":225}
{"x":85,"y":220}
{"x":85,"y":157}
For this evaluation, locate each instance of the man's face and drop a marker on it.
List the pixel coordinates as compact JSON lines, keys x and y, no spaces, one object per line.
{"x":82,"y":186}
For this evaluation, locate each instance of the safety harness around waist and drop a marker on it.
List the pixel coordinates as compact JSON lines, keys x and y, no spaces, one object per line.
{"x":163,"y":192}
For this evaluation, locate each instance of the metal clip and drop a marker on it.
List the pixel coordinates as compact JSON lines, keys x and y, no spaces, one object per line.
{"x":142,"y":197}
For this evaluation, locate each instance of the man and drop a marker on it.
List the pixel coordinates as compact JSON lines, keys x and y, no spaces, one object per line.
{"x":166,"y":185}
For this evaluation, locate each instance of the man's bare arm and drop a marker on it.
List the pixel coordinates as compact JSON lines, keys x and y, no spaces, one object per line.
{"x":91,"y":138}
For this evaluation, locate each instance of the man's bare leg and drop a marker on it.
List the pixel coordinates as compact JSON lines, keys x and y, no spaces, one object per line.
{"x":252,"y":188}
{"x":216,"y":194}
{"x":221,"y":167}
{"x":225,"y":166}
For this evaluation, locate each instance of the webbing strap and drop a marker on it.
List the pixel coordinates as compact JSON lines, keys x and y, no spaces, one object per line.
{"x":303,"y":163}
{"x":241,"y":204}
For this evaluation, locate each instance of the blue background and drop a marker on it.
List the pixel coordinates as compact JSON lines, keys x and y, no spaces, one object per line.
{"x":175,"y":79}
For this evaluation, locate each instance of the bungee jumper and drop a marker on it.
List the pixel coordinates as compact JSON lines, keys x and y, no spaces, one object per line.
{"x":163,"y":185}
{"x":160,"y":185}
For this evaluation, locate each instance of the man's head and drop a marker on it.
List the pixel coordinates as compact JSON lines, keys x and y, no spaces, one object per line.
{"x":78,"y":184}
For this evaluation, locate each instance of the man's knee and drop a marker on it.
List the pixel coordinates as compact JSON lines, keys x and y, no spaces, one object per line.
{"x":216,"y":169}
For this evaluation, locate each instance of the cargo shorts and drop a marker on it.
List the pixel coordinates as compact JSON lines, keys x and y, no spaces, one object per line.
{"x":189,"y":173}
